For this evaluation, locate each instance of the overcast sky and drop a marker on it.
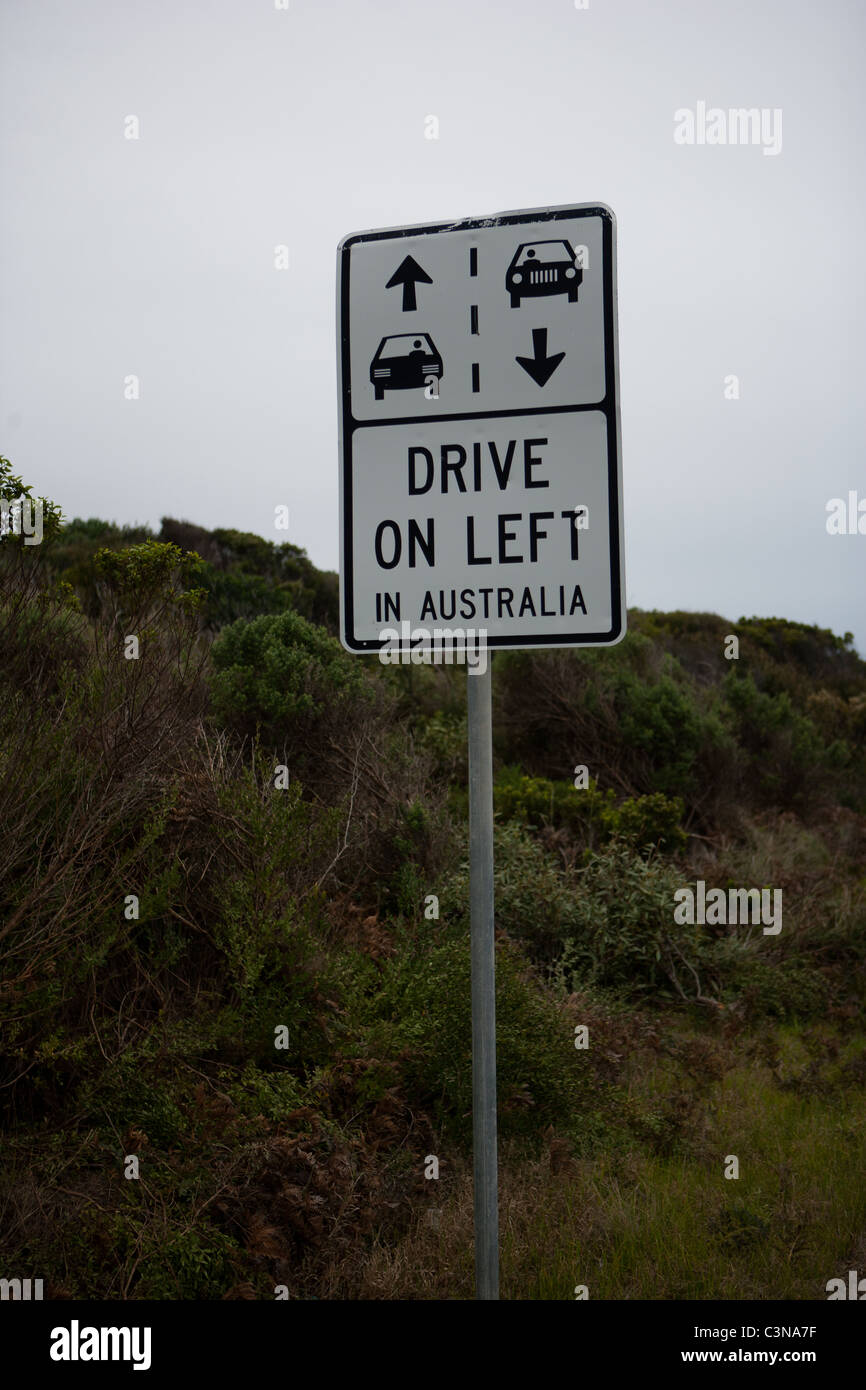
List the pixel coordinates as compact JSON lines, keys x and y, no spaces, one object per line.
{"x":261,"y":126}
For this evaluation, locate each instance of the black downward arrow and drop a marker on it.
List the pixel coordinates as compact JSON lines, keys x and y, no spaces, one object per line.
{"x":408,"y":274}
{"x":539,"y":366}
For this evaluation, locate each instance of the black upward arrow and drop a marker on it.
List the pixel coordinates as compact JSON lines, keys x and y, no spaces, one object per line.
{"x":539,"y":366}
{"x":407,"y":274}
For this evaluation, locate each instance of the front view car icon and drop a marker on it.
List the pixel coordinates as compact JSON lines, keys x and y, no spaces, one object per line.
{"x":543,"y":267}
{"x":404,"y":361}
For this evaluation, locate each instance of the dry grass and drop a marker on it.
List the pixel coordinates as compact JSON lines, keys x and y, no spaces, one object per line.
{"x":644,"y":1225}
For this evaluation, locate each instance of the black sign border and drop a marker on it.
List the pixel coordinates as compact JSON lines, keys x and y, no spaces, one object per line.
{"x":609,"y":406}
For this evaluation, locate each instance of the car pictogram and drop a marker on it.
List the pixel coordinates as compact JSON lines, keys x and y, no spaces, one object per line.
{"x":543,"y":267}
{"x":403,"y":362}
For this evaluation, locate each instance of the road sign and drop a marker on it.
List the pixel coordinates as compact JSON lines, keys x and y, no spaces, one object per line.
{"x":481,"y":493}
{"x":480,"y":445}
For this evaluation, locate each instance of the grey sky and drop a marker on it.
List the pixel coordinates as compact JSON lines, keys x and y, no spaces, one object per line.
{"x":260,"y":127}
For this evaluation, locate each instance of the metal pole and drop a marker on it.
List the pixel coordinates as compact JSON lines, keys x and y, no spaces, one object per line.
{"x":483,"y":981}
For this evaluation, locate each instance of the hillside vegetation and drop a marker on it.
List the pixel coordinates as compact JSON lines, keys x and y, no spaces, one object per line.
{"x":234,"y":943}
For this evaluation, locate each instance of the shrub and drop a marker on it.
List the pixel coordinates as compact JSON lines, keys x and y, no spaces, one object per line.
{"x":649,"y":822}
{"x":789,"y":757}
{"x":646,"y":822}
{"x":779,"y":988}
{"x":541,"y":801}
{"x":631,"y":715}
{"x":422,"y":1013}
{"x":532,"y":899}
{"x":148,"y":580}
{"x":43,"y":637}
{"x":13,"y":489}
{"x":444,"y":734}
{"x":663,"y":725}
{"x":284,"y":675}
{"x":622,"y":934}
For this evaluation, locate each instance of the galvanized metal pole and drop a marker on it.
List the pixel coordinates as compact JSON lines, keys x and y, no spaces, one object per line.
{"x":483,"y":981}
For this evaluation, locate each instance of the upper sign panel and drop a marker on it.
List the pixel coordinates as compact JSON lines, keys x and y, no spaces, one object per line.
{"x":493,"y":316}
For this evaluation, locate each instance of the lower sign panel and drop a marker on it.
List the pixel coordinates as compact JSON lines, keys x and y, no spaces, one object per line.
{"x":508,"y":525}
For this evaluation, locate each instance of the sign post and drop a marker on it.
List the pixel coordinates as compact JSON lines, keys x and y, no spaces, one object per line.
{"x":483,"y":983}
{"x":480,"y":494}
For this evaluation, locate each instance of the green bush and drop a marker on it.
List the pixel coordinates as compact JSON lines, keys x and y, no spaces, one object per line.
{"x":267,"y":918}
{"x":422,"y":1014}
{"x":608,"y":924}
{"x":780,"y":989}
{"x":14,"y":489}
{"x":533,"y":901}
{"x":44,"y":639}
{"x":790,"y":655}
{"x":281,"y":672}
{"x":186,"y":1263}
{"x":651,"y":821}
{"x":788,"y":754}
{"x":444,"y":735}
{"x":541,"y":801}
{"x":622,"y":934}
{"x":662,"y":723}
{"x":633,"y":715}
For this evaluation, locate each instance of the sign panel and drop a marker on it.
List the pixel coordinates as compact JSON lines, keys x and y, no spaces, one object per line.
{"x":479,"y":431}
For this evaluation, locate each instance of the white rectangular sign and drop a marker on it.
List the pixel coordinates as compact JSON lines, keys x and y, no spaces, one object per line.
{"x":481,"y":481}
